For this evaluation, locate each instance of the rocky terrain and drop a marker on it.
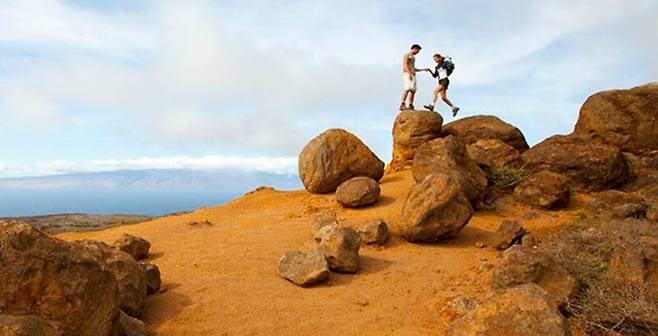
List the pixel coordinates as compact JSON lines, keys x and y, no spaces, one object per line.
{"x":76,"y":222}
{"x":468,"y":231}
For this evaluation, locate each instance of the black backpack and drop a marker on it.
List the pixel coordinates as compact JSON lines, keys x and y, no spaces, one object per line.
{"x":448,"y":65}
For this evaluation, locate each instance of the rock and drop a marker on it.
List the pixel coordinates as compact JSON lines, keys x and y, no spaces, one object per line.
{"x":650,"y":160}
{"x":545,"y":190}
{"x":458,"y":307}
{"x":618,"y":204}
{"x":27,"y":325}
{"x":528,"y":241}
{"x":340,"y":247}
{"x":137,"y":247}
{"x":494,"y":154}
{"x":522,"y":265}
{"x":375,"y":232}
{"x":128,"y":272}
{"x":448,"y":155}
{"x":72,"y":287}
{"x":522,"y":310}
{"x":130,"y":326}
{"x":634,"y":163}
{"x":358,"y":192}
{"x":590,"y":165}
{"x":472,"y":129}
{"x":508,"y":234}
{"x":410,"y":130}
{"x":304,"y":268}
{"x":435,"y":209}
{"x":627,"y":119}
{"x":152,"y":274}
{"x":334,"y":157}
{"x":326,"y":218}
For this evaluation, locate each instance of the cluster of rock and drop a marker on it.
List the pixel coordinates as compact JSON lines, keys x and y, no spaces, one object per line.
{"x":52,"y":287}
{"x":337,"y":250}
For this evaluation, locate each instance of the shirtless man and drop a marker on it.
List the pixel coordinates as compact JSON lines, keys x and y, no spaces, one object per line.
{"x":409,"y":77}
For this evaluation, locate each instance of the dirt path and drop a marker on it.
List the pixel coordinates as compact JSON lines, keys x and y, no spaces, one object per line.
{"x":221,"y":277}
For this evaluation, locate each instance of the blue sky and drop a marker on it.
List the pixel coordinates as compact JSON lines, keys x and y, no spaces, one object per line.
{"x":102,"y":85}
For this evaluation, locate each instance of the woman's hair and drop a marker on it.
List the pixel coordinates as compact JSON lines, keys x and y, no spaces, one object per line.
{"x":438,"y":55}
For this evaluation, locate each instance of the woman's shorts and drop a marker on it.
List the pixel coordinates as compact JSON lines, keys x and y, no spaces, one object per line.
{"x":444,"y":82}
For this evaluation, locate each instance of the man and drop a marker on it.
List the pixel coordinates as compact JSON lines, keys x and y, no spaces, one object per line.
{"x":442,"y":71}
{"x":409,"y":77}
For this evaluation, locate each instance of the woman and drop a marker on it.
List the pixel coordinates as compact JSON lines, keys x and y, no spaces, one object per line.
{"x":442,"y":71}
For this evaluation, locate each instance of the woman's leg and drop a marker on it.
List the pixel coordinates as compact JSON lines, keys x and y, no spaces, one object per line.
{"x":435,"y":94}
{"x":444,"y":97}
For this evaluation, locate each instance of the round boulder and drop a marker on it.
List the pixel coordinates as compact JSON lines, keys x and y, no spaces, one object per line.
{"x":544,"y":190}
{"x":304,"y":268}
{"x":410,"y":130}
{"x":435,"y":209}
{"x":334,"y":157}
{"x":589,"y":164}
{"x":72,"y":287}
{"x":472,"y":129}
{"x":522,"y":310}
{"x":627,"y":119}
{"x":448,"y":155}
{"x":358,"y":192}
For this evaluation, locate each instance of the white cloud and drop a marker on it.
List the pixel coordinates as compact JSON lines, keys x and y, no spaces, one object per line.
{"x":274,"y":165}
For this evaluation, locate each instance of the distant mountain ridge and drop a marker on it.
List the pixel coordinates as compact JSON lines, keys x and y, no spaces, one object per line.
{"x":136,"y":192}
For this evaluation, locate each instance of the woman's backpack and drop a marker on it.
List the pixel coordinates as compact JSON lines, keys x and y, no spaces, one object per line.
{"x":448,"y":65}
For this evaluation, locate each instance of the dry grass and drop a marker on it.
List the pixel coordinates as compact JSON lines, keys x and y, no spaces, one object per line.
{"x":605,"y":304}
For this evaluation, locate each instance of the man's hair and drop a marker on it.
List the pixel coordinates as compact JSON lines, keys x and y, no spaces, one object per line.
{"x":416,"y":46}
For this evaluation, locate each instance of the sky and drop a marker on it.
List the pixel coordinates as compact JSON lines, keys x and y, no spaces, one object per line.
{"x":105,"y":85}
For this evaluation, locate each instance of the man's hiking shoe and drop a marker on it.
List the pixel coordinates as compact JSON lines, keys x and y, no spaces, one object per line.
{"x":411,"y":106}
{"x":429,"y":107}
{"x":454,"y":111}
{"x":403,"y":107}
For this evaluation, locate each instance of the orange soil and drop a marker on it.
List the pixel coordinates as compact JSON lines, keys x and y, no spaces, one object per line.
{"x":221,"y":275}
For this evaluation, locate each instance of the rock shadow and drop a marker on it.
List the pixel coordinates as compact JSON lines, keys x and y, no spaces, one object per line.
{"x":161,"y":307}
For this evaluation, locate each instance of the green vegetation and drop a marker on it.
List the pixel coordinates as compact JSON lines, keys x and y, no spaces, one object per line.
{"x":502,"y":178}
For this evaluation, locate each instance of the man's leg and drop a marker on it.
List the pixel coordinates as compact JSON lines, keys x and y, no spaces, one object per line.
{"x":403,"y":105}
{"x":412,"y":95}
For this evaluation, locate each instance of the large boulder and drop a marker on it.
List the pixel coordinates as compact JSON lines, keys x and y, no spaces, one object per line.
{"x":521,"y":265}
{"x":435,"y":209}
{"x":410,"y":130}
{"x":520,"y":311}
{"x":448,"y":155}
{"x":358,"y":192}
{"x":304,"y":268}
{"x":56,"y":281}
{"x":135,"y":246}
{"x":544,"y":190}
{"x":494,"y":154}
{"x":627,"y":119}
{"x":340,"y":247}
{"x":472,"y":129}
{"x":334,"y":157}
{"x":589,"y":164}
{"x":128,"y":272}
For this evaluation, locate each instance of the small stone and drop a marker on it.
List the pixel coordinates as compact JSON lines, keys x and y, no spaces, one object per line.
{"x":326,"y":218}
{"x":480,"y":244}
{"x":153,"y":280}
{"x":508,"y":234}
{"x":528,"y":240}
{"x":358,"y":192}
{"x":340,"y":247}
{"x":137,"y":247}
{"x":304,"y":268}
{"x":375,"y":232}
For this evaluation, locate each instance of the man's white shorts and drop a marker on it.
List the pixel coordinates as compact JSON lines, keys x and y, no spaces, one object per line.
{"x":409,"y":84}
